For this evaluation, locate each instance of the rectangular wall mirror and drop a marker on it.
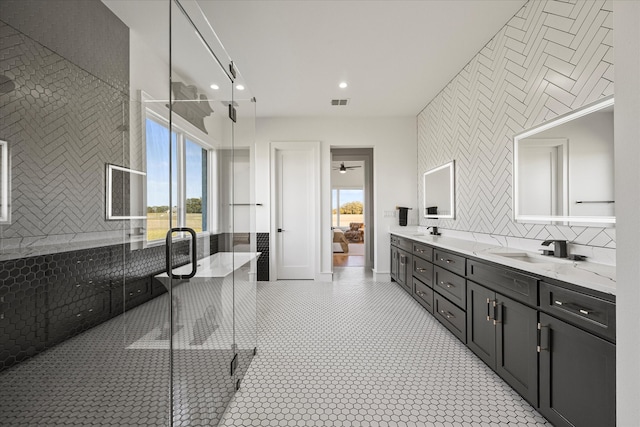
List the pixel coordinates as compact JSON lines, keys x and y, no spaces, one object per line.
{"x":125,"y":193}
{"x":439,"y":192}
{"x":564,"y":168}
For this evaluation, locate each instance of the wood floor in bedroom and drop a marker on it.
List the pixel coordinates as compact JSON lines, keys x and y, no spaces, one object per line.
{"x":355,"y":257}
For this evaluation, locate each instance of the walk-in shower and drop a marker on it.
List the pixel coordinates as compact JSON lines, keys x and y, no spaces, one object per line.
{"x":128,"y":252}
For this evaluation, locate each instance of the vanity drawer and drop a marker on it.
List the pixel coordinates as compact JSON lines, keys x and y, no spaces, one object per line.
{"x":510,"y":283}
{"x":451,"y":286}
{"x":452,"y":317}
{"x":585,"y":311}
{"x":423,"y":294}
{"x":423,"y":251}
{"x":395,"y":240}
{"x":405,"y":244}
{"x":451,"y":262}
{"x":423,"y":270}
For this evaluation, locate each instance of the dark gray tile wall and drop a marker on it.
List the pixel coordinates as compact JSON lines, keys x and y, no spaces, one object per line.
{"x":47,"y":299}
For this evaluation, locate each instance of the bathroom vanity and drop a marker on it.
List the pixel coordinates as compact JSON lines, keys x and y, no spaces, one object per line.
{"x":545,"y":325}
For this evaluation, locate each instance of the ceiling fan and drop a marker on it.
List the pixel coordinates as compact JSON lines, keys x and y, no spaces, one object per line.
{"x":343,"y":168}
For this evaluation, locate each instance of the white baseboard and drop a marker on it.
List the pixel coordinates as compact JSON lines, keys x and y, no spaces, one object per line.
{"x":324,"y":277}
{"x":381,"y":276}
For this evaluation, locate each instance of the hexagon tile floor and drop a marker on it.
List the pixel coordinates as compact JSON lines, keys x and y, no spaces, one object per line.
{"x":354,"y":352}
{"x":357,"y":352}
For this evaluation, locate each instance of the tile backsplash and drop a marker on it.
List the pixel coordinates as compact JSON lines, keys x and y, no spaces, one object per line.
{"x":550,"y":58}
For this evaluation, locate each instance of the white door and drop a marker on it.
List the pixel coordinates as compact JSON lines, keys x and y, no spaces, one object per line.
{"x":295,"y":216}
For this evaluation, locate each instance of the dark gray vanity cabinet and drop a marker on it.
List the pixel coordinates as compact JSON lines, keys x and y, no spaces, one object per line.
{"x":394,"y":263}
{"x":404,"y":270}
{"x":503,"y":333}
{"x":401,"y":262}
{"x":551,"y":341}
{"x":423,"y":275}
{"x":577,"y":376}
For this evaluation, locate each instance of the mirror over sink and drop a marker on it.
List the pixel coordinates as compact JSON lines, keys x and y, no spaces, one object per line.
{"x":564,"y":169}
{"x":439,"y":194}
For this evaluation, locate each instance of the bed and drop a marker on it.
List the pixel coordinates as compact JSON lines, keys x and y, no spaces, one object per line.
{"x":339,"y":237}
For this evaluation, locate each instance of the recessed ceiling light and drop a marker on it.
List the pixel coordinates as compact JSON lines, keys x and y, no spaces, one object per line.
{"x":240,"y":87}
{"x":343,"y":85}
{"x":214,"y":87}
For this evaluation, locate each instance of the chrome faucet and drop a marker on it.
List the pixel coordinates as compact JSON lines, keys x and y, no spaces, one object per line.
{"x":559,"y":248}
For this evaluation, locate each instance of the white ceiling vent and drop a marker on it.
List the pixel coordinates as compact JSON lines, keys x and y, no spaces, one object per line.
{"x":339,"y":101}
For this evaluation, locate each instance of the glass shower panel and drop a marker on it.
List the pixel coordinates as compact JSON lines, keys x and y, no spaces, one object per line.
{"x":244,"y":242}
{"x":203,"y":354}
{"x":73,"y":259}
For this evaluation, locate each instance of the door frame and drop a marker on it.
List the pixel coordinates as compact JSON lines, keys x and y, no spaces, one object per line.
{"x":314,"y":220}
{"x":363,"y":154}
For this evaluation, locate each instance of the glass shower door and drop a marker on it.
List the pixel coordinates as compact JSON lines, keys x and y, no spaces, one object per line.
{"x":202,"y":273}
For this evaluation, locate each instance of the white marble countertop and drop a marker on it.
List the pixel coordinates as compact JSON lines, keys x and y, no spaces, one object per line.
{"x":598,"y":277}
{"x":220,"y":264}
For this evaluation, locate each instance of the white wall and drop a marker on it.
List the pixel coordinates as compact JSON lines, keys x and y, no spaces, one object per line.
{"x":627,"y":148}
{"x":394,"y":153}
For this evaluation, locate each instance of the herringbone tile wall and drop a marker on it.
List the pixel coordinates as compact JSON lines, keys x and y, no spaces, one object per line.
{"x":551,"y":57}
{"x":63,"y":125}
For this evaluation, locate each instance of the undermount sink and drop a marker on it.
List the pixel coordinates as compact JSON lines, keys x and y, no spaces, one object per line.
{"x":533,"y":259}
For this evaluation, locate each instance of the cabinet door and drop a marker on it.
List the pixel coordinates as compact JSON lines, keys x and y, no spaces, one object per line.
{"x":481,"y":334}
{"x":404,"y":271}
{"x":577,"y":376}
{"x":516,"y":341}
{"x":394,"y":263}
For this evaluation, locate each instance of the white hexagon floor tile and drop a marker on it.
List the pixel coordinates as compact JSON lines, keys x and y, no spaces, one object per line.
{"x":356,"y":352}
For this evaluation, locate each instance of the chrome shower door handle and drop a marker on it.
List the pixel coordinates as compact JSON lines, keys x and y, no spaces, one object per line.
{"x":194,"y":253}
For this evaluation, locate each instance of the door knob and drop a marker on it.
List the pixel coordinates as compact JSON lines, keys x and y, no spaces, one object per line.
{"x":280,"y":230}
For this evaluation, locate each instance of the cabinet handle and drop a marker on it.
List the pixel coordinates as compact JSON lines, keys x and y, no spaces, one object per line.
{"x":79,"y":315}
{"x":489,"y":301}
{"x":448,"y":261}
{"x":496,"y":311}
{"x":447,"y":314}
{"x":420,"y":270}
{"x":1,"y":316}
{"x":539,"y":347}
{"x":420,"y":250}
{"x":420,"y":293}
{"x":573,"y":306}
{"x":447,"y":284}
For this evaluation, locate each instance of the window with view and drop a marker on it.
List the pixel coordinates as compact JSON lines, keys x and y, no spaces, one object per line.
{"x":188,"y":181}
{"x":347,"y":206}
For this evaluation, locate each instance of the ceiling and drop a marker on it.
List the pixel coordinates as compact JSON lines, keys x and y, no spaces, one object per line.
{"x":395,"y":55}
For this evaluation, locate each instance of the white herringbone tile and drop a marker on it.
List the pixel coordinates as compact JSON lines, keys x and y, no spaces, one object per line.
{"x":551,"y":58}
{"x":356,"y":352}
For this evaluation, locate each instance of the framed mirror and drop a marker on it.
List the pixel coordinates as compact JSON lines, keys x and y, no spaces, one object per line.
{"x":125,"y":193}
{"x":564,"y":168}
{"x":439,"y":192}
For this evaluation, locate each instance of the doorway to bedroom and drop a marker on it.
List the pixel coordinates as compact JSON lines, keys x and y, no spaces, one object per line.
{"x":350,"y":207}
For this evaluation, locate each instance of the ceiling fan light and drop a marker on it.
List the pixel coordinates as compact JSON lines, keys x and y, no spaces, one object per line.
{"x":343,"y":170}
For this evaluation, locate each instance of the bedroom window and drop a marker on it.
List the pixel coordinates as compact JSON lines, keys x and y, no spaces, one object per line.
{"x":347,"y":206}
